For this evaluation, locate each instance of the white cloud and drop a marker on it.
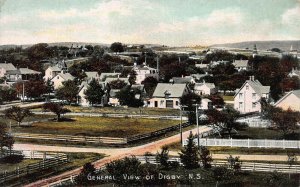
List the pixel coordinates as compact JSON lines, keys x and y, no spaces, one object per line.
{"x":292,"y":16}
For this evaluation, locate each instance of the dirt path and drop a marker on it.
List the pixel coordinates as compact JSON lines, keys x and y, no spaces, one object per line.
{"x":115,"y":153}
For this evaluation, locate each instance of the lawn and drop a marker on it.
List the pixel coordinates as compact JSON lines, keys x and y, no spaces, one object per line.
{"x":31,"y":118}
{"x":123,"y":110}
{"x":228,"y":98}
{"x":99,"y":126}
{"x":12,"y":166}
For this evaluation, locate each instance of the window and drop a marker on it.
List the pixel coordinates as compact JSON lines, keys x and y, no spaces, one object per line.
{"x":169,"y":103}
{"x":253,"y":105}
{"x":240,"y":105}
{"x":254,"y":96}
{"x":247,"y":87}
{"x":161,"y":102}
{"x":177,"y":103}
{"x":155,"y":104}
{"x":240,"y":95}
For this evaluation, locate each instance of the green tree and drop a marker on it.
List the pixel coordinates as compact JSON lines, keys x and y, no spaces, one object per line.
{"x":68,"y":91}
{"x":163,"y":157}
{"x":150,"y":84}
{"x":234,"y":163}
{"x":189,"y":155}
{"x":56,"y":108}
{"x":117,"y":84}
{"x":132,"y":77}
{"x":94,"y":92}
{"x":205,"y":157}
{"x":87,"y":171}
{"x":117,"y":47}
{"x":127,"y":97}
{"x":39,"y":51}
{"x":17,"y":114}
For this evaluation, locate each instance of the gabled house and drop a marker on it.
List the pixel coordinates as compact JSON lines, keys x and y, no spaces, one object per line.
{"x":206,"y":104}
{"x":52,"y":71}
{"x":82,"y":97}
{"x":29,"y":73}
{"x":4,"y":67}
{"x":290,"y":100}
{"x":142,"y":72}
{"x":247,"y":98}
{"x":240,"y":65}
{"x":60,"y":78}
{"x":168,"y":95}
{"x":205,"y":88}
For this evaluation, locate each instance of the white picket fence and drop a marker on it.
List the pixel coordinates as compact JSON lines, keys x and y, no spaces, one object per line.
{"x":258,"y":143}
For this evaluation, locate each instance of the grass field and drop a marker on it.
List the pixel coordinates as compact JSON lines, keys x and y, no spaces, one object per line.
{"x":31,"y":118}
{"x":11,"y":167}
{"x":228,"y":98}
{"x":122,"y":110}
{"x":99,"y":126}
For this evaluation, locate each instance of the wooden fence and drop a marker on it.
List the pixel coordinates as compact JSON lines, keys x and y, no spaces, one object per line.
{"x":55,"y":161}
{"x":69,"y":138}
{"x":258,"y":143}
{"x":99,"y":140}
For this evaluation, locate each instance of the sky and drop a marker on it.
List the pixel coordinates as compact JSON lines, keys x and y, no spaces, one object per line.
{"x":168,"y":22}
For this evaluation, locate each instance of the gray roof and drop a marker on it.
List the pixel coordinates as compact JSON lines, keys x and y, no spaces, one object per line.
{"x":55,"y":68}
{"x":66,"y":76}
{"x":8,"y":66}
{"x":296,"y":93}
{"x":105,"y":75}
{"x":113,"y":92}
{"x":175,"y":90}
{"x":110,"y":79}
{"x":91,"y":74}
{"x":13,"y":72}
{"x":209,"y":85}
{"x":240,"y":63}
{"x":199,"y":76}
{"x":25,"y":71}
{"x":182,"y":79}
{"x":143,"y":68}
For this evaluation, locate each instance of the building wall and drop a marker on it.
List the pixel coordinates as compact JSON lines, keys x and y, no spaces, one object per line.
{"x":2,"y":72}
{"x":204,"y":90}
{"x":142,"y":74}
{"x":57,"y":82}
{"x":49,"y":74}
{"x":291,"y":102}
{"x":161,"y":102}
{"x":244,"y":100}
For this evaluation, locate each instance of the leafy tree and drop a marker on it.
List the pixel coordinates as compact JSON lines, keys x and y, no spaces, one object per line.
{"x":127,"y":97}
{"x":234,"y":163}
{"x":35,"y":88}
{"x":205,"y":157}
{"x":94,"y":92}
{"x":117,"y":47}
{"x":150,"y":84}
{"x":132,"y":77}
{"x":68,"y":91}
{"x":3,"y":132}
{"x":286,"y":121}
{"x":56,"y":108}
{"x":189,"y":100}
{"x":87,"y":171}
{"x":117,"y":84}
{"x":189,"y":155}
{"x":7,"y":94}
{"x":222,"y":175}
{"x":17,"y":114}
{"x":290,"y":83}
{"x":38,"y":52}
{"x":225,"y":119}
{"x":274,"y":179}
{"x":163,"y":157}
{"x":216,"y":100}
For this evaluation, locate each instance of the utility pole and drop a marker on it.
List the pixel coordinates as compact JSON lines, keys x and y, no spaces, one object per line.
{"x":197,"y":121}
{"x":181,"y":124}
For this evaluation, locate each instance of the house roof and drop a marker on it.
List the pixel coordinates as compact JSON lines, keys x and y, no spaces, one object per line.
{"x":182,"y":79}
{"x":294,"y":92}
{"x":13,"y":72}
{"x":8,"y":66}
{"x":209,"y":85}
{"x":113,"y":92}
{"x":175,"y":90}
{"x":240,"y":63}
{"x":110,"y":79}
{"x":26,"y":71}
{"x":106,"y":75}
{"x":91,"y":74}
{"x":65,"y":76}
{"x":257,"y":87}
{"x":199,"y":76}
{"x":143,"y":68}
{"x":55,"y":68}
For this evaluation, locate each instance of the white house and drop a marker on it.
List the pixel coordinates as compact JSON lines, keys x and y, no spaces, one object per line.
{"x":240,"y":65}
{"x":92,"y":75}
{"x":103,"y":76}
{"x":206,"y":104}
{"x":205,"y":88}
{"x":60,"y":78}
{"x":168,"y":95}
{"x":52,"y":71}
{"x":290,"y":100}
{"x":82,"y":97}
{"x":143,"y":72}
{"x":247,"y":98}
{"x":4,"y":67}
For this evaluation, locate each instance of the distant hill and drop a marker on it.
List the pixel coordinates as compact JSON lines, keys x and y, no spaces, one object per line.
{"x":264,"y":45}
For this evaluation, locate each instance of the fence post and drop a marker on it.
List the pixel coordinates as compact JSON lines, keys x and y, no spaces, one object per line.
{"x":248,"y":143}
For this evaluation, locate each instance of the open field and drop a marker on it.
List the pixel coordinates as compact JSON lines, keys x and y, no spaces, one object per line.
{"x":98,"y":126}
{"x":228,"y":98}
{"x":122,"y":110}
{"x":31,"y":118}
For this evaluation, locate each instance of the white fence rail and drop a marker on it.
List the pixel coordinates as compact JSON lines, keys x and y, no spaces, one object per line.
{"x":259,"y":143}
